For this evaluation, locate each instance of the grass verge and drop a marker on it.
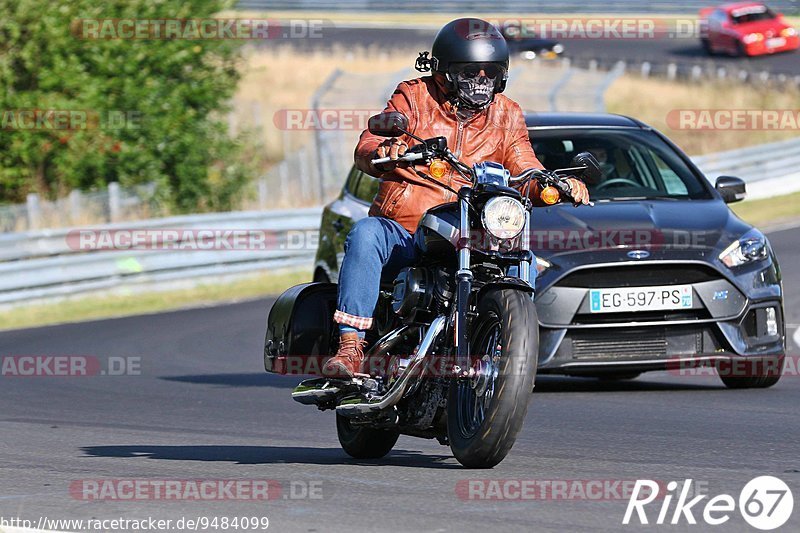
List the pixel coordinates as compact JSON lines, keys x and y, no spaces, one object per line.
{"x":109,"y":306}
{"x":769,"y":210}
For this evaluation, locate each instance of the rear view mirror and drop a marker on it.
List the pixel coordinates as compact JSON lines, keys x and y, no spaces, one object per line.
{"x":731,"y":189}
{"x":586,"y":159}
{"x":391,"y":124}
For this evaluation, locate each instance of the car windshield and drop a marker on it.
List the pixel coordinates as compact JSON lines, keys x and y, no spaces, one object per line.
{"x":635,"y":164}
{"x":751,"y":14}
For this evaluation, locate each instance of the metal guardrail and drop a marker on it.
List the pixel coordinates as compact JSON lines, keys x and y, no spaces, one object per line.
{"x":42,"y":264}
{"x":47,"y":264}
{"x":768,"y":169}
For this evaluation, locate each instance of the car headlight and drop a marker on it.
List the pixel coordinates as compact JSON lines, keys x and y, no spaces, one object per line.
{"x":788,"y":32}
{"x":751,"y":247}
{"x":503,"y":217}
{"x":751,"y":38}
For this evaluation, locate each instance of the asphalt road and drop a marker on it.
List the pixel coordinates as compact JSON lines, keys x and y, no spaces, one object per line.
{"x":202,"y":408}
{"x":684,"y":51}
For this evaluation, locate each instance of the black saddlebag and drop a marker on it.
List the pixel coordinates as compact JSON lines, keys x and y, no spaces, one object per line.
{"x":300,"y":329}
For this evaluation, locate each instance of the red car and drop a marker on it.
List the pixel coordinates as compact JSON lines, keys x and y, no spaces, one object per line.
{"x":745,"y":29}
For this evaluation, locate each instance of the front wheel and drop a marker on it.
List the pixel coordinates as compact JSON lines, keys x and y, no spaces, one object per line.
{"x":759,"y":374}
{"x":364,"y":442}
{"x":485,"y":412}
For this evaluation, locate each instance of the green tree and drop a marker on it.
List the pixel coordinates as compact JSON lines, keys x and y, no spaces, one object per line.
{"x":157,"y":107}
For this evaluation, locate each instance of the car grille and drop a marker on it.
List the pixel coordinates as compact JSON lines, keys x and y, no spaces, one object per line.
{"x":630,"y":344}
{"x":643,"y":275}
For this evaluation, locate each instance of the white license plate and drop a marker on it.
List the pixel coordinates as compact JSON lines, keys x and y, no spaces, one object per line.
{"x":776,"y":42}
{"x":640,"y":299}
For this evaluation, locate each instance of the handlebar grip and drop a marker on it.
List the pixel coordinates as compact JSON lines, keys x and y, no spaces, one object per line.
{"x":408,"y":157}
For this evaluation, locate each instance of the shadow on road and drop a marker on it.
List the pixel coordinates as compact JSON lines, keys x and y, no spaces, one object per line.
{"x":251,"y":455}
{"x":252,"y":379}
{"x":545,"y":383}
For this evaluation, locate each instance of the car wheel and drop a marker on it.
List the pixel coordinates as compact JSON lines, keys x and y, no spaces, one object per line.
{"x":707,"y":46}
{"x":741,"y":51}
{"x":763,"y":377}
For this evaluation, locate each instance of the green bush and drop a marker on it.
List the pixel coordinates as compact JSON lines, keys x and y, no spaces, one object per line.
{"x":173,"y":95}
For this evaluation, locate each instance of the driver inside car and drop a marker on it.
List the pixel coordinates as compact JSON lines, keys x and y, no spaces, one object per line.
{"x":461,"y":101}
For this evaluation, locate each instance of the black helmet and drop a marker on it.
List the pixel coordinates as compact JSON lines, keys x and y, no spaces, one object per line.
{"x":469,"y":40}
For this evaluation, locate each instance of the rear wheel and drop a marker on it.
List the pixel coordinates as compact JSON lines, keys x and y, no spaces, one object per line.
{"x":760,"y":374}
{"x":485,"y":412}
{"x":364,"y":442}
{"x":707,"y":46}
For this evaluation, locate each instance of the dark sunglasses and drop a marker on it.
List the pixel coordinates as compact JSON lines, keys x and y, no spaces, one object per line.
{"x":473,"y":70}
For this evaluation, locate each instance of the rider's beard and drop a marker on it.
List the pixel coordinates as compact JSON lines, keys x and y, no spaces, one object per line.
{"x":475,"y":93}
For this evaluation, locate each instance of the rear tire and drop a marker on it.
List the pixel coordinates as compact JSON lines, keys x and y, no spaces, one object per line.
{"x":707,"y":46}
{"x":364,"y":442}
{"x":769,"y":377}
{"x":482,"y":428}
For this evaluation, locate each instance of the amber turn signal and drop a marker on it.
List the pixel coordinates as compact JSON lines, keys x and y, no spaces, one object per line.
{"x":550,"y":195}
{"x":437,"y":168}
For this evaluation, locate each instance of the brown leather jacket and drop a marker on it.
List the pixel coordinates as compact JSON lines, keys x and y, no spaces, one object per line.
{"x":496,"y":134}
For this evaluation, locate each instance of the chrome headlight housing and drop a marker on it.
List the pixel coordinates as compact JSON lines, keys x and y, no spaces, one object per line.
{"x":503,"y":217}
{"x":750,"y":248}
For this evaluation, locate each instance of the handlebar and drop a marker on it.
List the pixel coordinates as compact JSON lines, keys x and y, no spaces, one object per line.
{"x":408,"y":157}
{"x":545,"y":177}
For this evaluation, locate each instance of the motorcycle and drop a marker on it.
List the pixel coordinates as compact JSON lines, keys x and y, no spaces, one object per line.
{"x":455,"y":338}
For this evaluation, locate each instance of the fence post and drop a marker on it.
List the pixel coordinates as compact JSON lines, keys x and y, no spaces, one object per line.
{"x":113,"y":201}
{"x":75,"y":205}
{"x":316,"y":99}
{"x":304,"y":171}
{"x":672,"y":71}
{"x":34,"y":211}
{"x":283,"y":175}
{"x":262,"y":192}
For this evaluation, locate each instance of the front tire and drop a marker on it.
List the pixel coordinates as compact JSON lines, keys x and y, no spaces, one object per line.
{"x":762,"y":378}
{"x":364,"y":442}
{"x":485,"y":413}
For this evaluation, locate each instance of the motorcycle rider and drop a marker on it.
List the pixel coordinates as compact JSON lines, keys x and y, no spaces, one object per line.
{"x":461,"y":101}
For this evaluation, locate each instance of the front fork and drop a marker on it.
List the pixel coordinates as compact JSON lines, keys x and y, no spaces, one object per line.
{"x":463,"y":285}
{"x":464,"y":278}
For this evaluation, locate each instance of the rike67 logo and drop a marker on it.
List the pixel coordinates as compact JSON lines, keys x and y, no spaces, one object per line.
{"x":765,"y":503}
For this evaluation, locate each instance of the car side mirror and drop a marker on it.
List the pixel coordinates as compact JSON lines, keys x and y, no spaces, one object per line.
{"x":731,"y":189}
{"x":586,"y":159}
{"x":391,"y":124}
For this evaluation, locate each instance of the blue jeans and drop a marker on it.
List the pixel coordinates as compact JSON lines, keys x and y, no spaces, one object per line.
{"x":376,"y":247}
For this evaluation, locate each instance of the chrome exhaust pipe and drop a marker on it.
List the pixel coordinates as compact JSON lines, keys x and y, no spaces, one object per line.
{"x":395,"y":394}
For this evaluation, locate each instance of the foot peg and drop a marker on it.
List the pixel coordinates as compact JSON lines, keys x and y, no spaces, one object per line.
{"x":324,"y":392}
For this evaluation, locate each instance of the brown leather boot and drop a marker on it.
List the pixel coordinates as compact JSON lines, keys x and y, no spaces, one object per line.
{"x":347,"y":360}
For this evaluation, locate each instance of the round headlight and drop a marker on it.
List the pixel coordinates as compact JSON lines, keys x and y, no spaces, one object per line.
{"x":503,"y":217}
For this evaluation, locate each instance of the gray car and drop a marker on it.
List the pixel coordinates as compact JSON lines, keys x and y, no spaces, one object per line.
{"x":658,"y":275}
